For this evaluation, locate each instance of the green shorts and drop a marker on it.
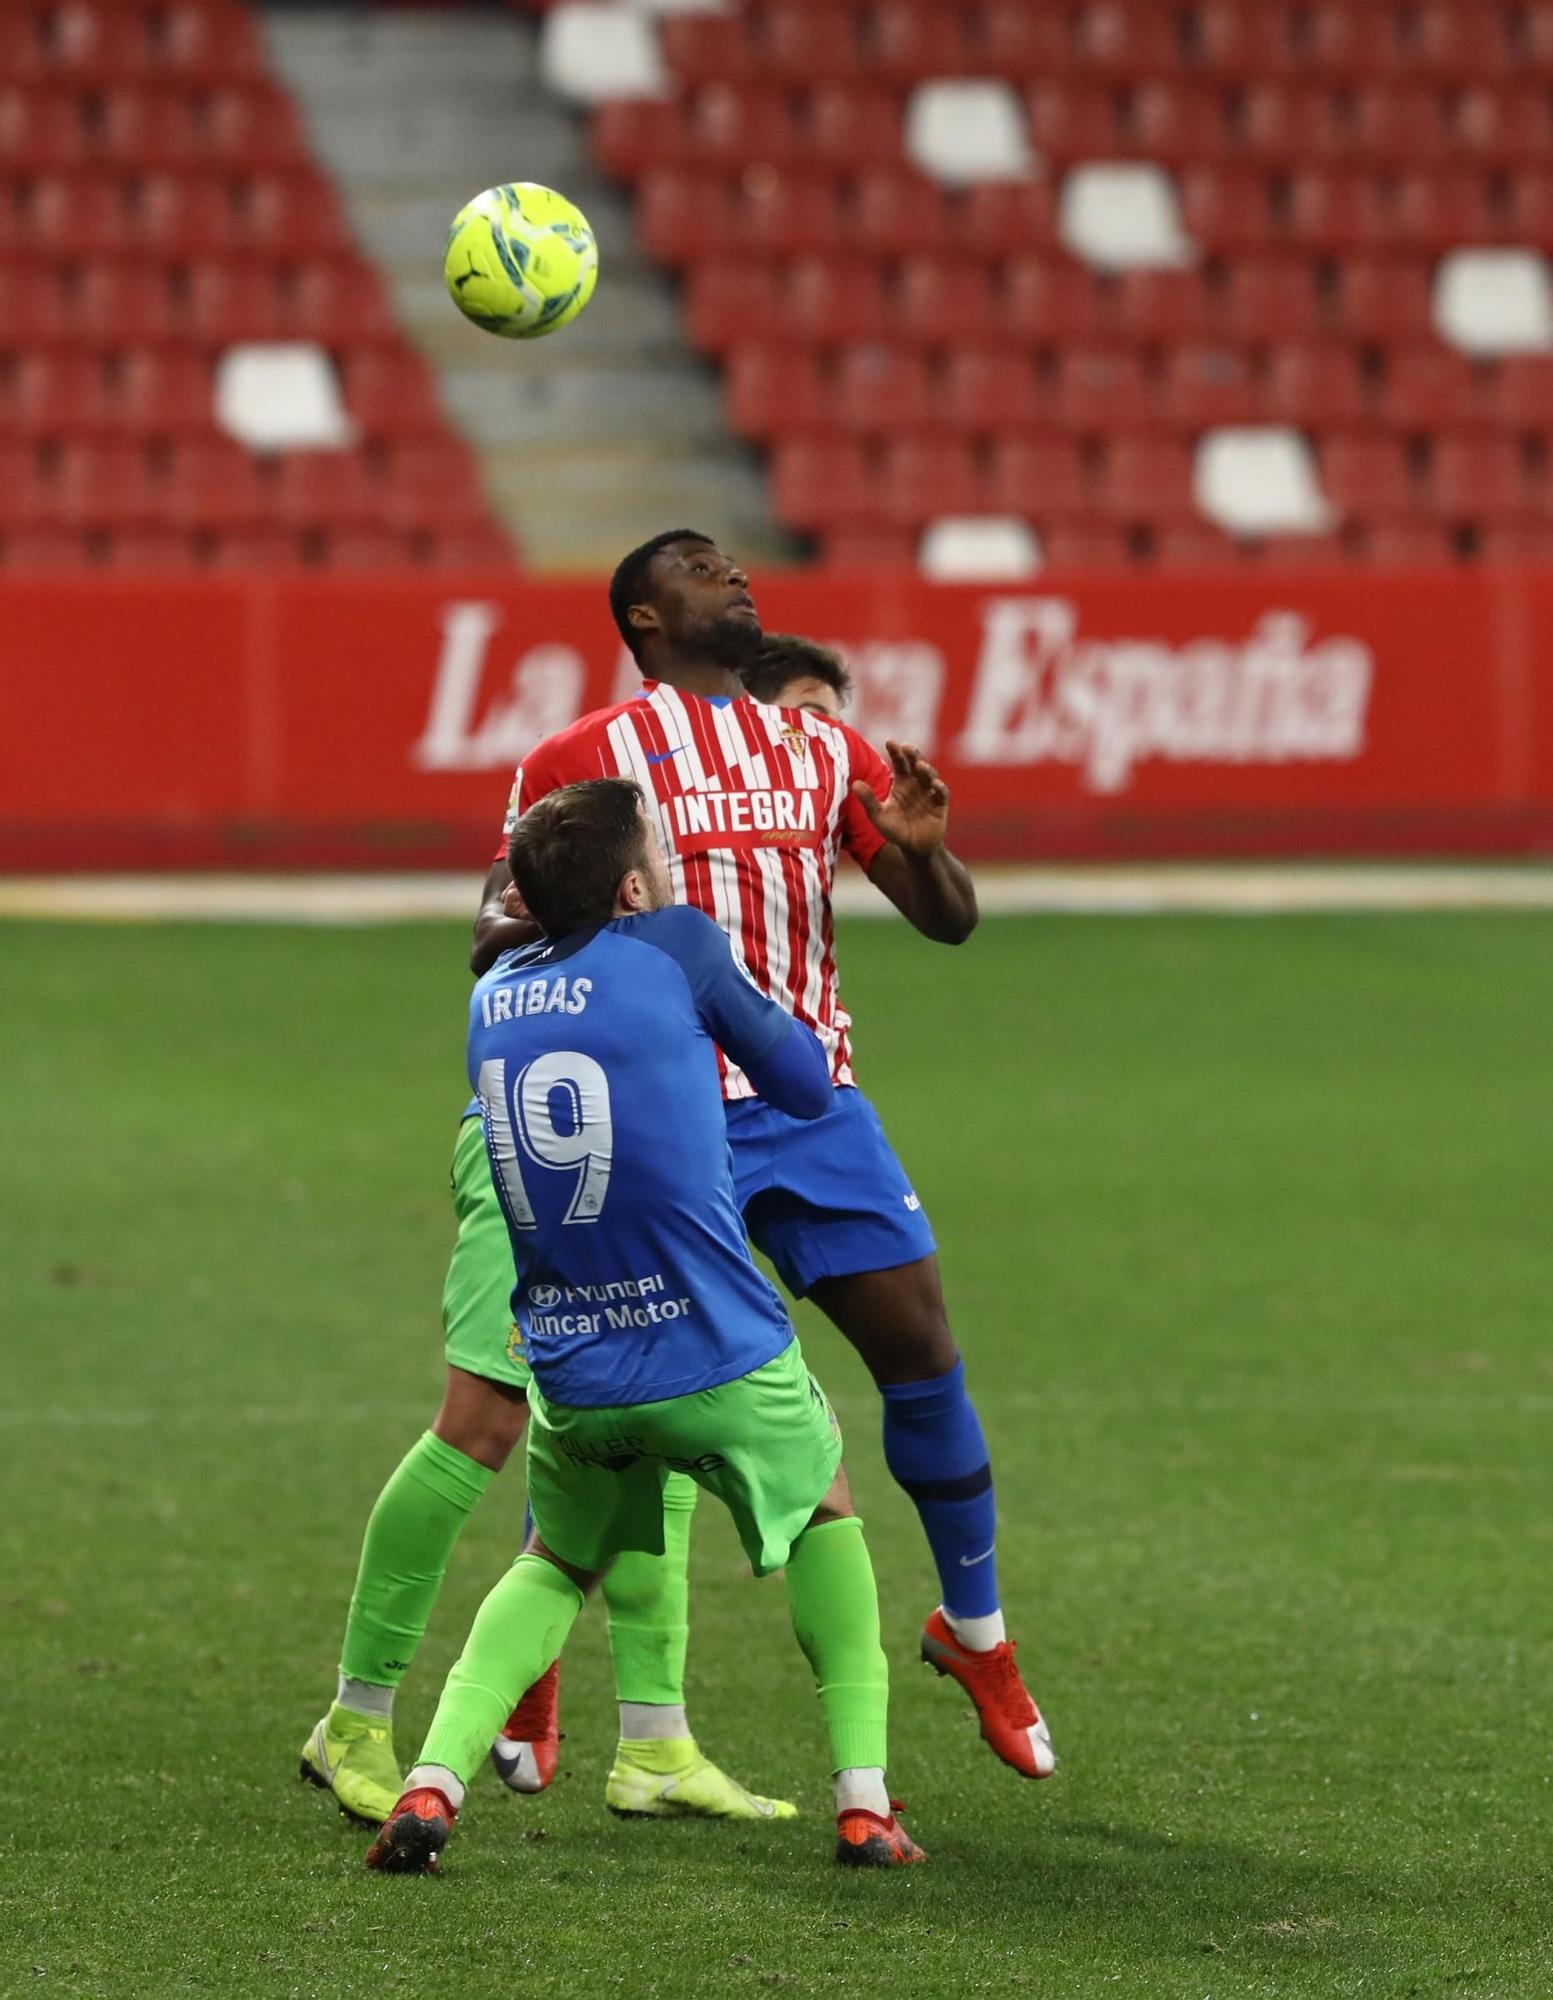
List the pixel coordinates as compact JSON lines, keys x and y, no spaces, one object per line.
{"x":477,"y":1321}
{"x":766,"y":1445}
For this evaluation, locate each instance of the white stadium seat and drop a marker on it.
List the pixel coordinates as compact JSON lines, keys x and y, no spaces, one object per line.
{"x":283,"y":396}
{"x":593,"y":53}
{"x":969,"y":548}
{"x":960,"y":133}
{"x":1494,"y":301}
{"x":1259,"y":480}
{"x":1120,"y":215}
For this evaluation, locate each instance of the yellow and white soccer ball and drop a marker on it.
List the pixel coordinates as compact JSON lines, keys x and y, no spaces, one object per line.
{"x":521,"y":260}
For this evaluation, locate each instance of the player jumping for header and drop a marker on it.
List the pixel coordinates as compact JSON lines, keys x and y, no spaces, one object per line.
{"x":655,"y":1344}
{"x":753,"y":805}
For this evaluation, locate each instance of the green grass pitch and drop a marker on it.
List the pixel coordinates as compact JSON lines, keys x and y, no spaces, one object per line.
{"x":1246,"y":1232}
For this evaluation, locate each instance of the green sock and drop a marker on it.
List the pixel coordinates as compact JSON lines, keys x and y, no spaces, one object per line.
{"x":518,"y":1631}
{"x":835,"y":1605}
{"x":419,"y":1516}
{"x":647,"y":1598}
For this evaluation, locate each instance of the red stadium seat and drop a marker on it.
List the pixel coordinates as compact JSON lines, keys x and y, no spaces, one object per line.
{"x":336,"y":301}
{"x":214,"y":484}
{"x":431,"y":482}
{"x":75,"y":215}
{"x":230,"y":302}
{"x":1383,"y":300}
{"x":163,"y":389}
{"x":852,"y":126}
{"x":1206,"y":385}
{"x":1517,"y":542}
{"x":88,"y":47}
{"x":831,"y":299}
{"x":1226,"y":208}
{"x":1179,"y":123}
{"x":1100,"y":389}
{"x":1044,"y":300}
{"x":942,"y":298}
{"x":477,"y":546}
{"x":1190,"y":545}
{"x":1342,"y":210}
{"x":1006,"y":218}
{"x":182,"y":216}
{"x":323,"y":489}
{"x":390,"y":392}
{"x":1147,"y":479}
{"x":370,"y":548}
{"x":1365,"y":474}
{"x":1436,"y":212}
{"x":731,"y":127}
{"x":992,"y":389}
{"x":1425,"y":388}
{"x":772,"y":391}
{"x":1296,"y":551}
{"x":732,"y":303}
{"x":914,"y":40}
{"x":1021,"y":41}
{"x":117,"y":304}
{"x":683,"y":215}
{"x":208,"y":45}
{"x":1162,"y":305}
{"x":633,"y":134}
{"x":871,"y":547}
{"x":1530,"y":219}
{"x":1240,"y":40}
{"x":51,"y":394}
{"x":148,"y":549}
{"x":41,"y":131}
{"x":1400,"y":126}
{"x":292,"y":215}
{"x":99,"y":483}
{"x":1315,"y":386}
{"x":1083,"y":545}
{"x":1458,"y":40}
{"x":22,"y":56}
{"x":1344,"y":43}
{"x":784,"y":213}
{"x":1520,"y":391}
{"x":881,"y":389}
{"x":798,"y":44}
{"x":144,"y":130}
{"x":1072,"y":121}
{"x":1404,"y":544}
{"x":895,"y":212}
{"x":1504,"y":127}
{"x":922,"y":477}
{"x":820,"y":484}
{"x":1295,"y":125}
{"x":245,"y":549}
{"x":44,"y":549}
{"x":1126,"y":40}
{"x":1040,"y":478}
{"x":1272,"y":299}
{"x":708,"y":48}
{"x":252,"y":127}
{"x":1477,"y":478}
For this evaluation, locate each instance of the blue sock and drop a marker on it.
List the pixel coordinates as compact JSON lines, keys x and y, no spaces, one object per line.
{"x":934,"y":1447}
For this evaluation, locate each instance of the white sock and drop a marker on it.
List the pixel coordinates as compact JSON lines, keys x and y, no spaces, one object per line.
{"x":641,"y":1720}
{"x":365,"y":1697}
{"x":977,"y":1635}
{"x":436,"y":1778}
{"x":862,"y":1789}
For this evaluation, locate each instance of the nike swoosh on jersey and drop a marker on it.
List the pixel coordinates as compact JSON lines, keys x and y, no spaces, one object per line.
{"x":663,"y":756}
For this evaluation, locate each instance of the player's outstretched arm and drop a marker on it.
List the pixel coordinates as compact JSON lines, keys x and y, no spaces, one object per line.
{"x":497,"y":929}
{"x":930,"y":888}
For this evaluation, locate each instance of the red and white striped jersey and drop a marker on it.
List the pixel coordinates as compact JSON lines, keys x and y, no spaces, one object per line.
{"x":753,"y":805}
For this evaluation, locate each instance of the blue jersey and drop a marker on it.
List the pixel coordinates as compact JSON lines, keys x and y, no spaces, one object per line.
{"x":594,"y":1062}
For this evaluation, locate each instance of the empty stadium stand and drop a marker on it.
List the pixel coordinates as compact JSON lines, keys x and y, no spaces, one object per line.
{"x":160,"y":209}
{"x":1359,"y":199}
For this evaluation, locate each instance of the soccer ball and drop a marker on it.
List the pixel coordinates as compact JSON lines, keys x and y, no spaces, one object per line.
{"x":520,"y":261}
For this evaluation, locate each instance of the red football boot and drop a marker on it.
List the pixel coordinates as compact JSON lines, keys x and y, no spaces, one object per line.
{"x":525,"y":1754}
{"x":410,"y":1841}
{"x":1010,"y":1721}
{"x":864,"y":1840}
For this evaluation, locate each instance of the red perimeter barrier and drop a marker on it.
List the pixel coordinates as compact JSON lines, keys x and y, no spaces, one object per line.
{"x":351,"y":723}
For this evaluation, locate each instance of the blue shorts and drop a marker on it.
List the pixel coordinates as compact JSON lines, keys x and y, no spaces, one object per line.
{"x":827,"y":1198}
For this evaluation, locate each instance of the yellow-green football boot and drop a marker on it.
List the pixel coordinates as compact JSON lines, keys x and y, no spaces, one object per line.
{"x":352,"y":1756}
{"x":668,"y":1778}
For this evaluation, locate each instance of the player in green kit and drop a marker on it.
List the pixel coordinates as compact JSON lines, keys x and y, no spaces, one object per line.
{"x":658,"y":1769}
{"x":655,"y":1343}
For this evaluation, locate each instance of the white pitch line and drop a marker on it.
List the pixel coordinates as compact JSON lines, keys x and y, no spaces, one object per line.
{"x":1234,"y":890}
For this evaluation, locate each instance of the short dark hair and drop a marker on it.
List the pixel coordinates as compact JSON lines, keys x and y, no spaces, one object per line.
{"x":785,"y":657}
{"x":628,"y":585}
{"x":570,"y":849}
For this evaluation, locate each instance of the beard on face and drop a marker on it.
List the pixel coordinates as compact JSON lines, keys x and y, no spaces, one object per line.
{"x":732,"y":640}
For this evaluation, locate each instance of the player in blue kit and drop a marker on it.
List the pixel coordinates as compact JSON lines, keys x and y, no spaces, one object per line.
{"x":656,"y":1345}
